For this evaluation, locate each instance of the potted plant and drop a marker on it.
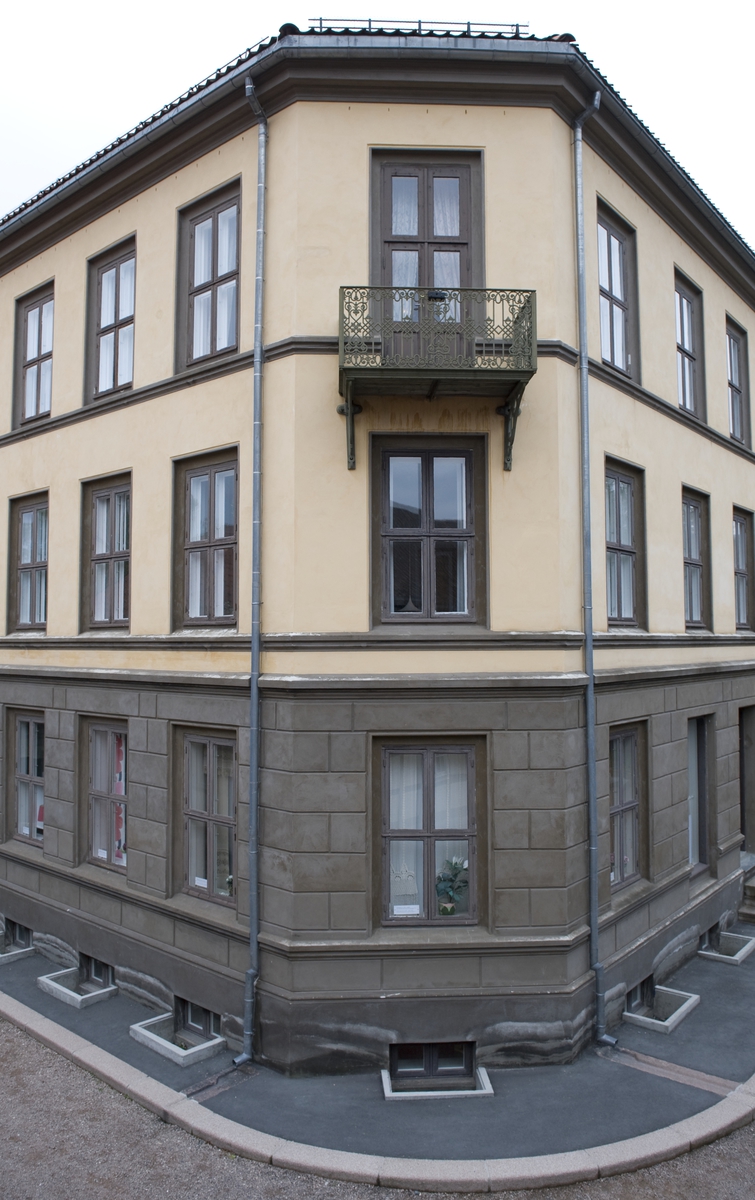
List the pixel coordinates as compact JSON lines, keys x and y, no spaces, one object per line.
{"x":451,"y":884}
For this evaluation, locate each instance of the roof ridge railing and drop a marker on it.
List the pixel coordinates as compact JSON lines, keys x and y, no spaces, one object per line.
{"x":391,"y":25}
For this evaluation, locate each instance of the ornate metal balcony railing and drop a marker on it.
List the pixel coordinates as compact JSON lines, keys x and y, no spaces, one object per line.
{"x":436,"y":341}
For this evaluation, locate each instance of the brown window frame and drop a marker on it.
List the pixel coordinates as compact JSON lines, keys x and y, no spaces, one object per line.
{"x":627,"y":303}
{"x":208,"y":208}
{"x":92,"y":491}
{"x":474,"y":452}
{"x":112,"y":259}
{"x":185,"y":471}
{"x":24,"y":307}
{"x":743,"y":521}
{"x":428,"y":836}
{"x":738,"y":381}
{"x":622,"y":473}
{"x":210,"y":820}
{"x":32,"y":778}
{"x":35,"y":504}
{"x":701,"y":562}
{"x":694,"y":353}
{"x":111,"y":799}
{"x":627,"y":740}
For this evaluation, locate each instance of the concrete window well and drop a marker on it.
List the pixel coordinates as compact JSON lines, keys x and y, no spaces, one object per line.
{"x":721,"y":946}
{"x":434,"y":1069}
{"x":16,"y":941}
{"x":661,"y":1009}
{"x":187,"y":1035}
{"x":82,"y":986}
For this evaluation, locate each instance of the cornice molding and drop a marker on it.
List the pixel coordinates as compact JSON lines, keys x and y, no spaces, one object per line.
{"x":413,"y":638}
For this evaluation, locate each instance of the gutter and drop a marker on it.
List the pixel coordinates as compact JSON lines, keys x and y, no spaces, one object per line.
{"x":250,"y":981}
{"x":584,"y":415}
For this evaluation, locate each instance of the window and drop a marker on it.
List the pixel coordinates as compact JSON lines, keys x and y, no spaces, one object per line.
{"x":625,"y":808}
{"x":205,"y":566}
{"x":696,"y":573}
{"x":208,"y":279}
{"x":28,"y":599}
{"x":430,"y":540}
{"x":616,"y":277}
{"x":34,"y":356}
{"x":116,"y":280}
{"x":689,"y":345}
{"x":625,"y":562}
{"x":736,"y":372}
{"x":424,"y":1066}
{"x":195,"y":1024}
{"x":109,"y":551}
{"x":428,"y":835}
{"x":210,"y":817}
{"x":107,"y":796}
{"x":30,"y":778}
{"x":697,"y":777}
{"x":743,"y":584}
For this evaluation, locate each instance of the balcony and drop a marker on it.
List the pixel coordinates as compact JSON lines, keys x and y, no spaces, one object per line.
{"x":434,"y":342}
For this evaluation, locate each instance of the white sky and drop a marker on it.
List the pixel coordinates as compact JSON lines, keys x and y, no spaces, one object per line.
{"x":75,"y":75}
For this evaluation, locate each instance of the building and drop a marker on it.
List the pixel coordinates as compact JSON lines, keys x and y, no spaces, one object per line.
{"x":424,"y":791}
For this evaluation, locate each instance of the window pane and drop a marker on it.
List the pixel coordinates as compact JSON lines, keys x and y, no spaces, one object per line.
{"x":197,"y":584}
{"x":678,"y":312}
{"x":449,"y":493}
{"x":226,"y":326}
{"x":629,"y":844}
{"x":695,"y":592}
{"x":203,"y":252}
{"x":735,"y":411}
{"x":446,"y":207}
{"x":732,"y":345}
{"x":603,"y":258}
{"x":100,"y":591}
{"x":694,"y":531}
{"x":100,"y":833}
{"x":222,"y":859}
{"x":612,"y":524}
{"x":45,"y":385}
{"x":406,"y":880}
{"x":612,"y":583}
{"x":740,"y":545}
{"x":46,"y":339}
{"x":615,"y":846}
{"x":119,"y":834}
{"x":405,"y":486}
{"x":120,"y":589}
{"x":626,"y":566}
{"x":689,"y":384}
{"x":406,"y":577}
{"x":24,"y":808}
{"x":199,"y":505}
{"x":625,"y":513}
{"x":605,"y":329}
{"x":223,"y":582}
{"x":40,"y":596}
{"x":226,"y":241}
{"x":125,"y":355}
{"x":446,"y":268}
{"x":405,"y":265}
{"x":202,"y":324}
{"x":32,"y":334}
{"x":122,"y":507}
{"x":107,"y":361}
{"x":24,"y":598}
{"x":451,"y":577}
{"x":119,"y":764}
{"x":686,"y":323}
{"x":102,"y":525}
{"x":224,"y":781}
{"x":404,"y":205}
{"x":100,"y":749}
{"x":225,"y":504}
{"x":126,"y":297}
{"x":617,"y":273}
{"x":30,"y":392}
{"x":740,"y":582}
{"x":41,"y":535}
{"x":451,"y":878}
{"x":27,"y":528}
{"x":619,"y":340}
{"x":197,"y":854}
{"x":405,"y":787}
{"x":107,"y":298}
{"x":38,"y":812}
{"x":38,"y":750}
{"x":451,"y":808}
{"x":24,"y":748}
{"x":197,"y":776}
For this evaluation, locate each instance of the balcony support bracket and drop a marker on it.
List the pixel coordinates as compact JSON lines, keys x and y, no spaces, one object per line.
{"x":349,"y":410}
{"x":510,"y":413}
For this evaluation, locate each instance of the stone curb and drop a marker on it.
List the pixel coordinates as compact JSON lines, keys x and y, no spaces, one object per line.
{"x":436,"y":1175}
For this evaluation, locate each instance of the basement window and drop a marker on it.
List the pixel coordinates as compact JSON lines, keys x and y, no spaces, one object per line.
{"x":18,"y":936}
{"x":435,"y":1065}
{"x":195,"y":1024}
{"x":95,"y":974}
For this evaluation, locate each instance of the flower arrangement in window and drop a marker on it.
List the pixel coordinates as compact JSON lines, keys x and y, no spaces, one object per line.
{"x":452,"y":885}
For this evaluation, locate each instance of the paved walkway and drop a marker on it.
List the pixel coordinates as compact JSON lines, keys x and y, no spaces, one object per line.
{"x":544,"y":1124}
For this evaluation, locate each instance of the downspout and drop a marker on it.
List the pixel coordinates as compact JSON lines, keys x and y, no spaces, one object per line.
{"x":584,"y":416}
{"x":250,"y":982}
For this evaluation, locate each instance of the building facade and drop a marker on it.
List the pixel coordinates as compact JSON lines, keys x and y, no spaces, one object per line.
{"x":423,"y":868}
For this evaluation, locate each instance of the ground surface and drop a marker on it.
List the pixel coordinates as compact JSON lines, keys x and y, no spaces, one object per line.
{"x":66,"y":1136}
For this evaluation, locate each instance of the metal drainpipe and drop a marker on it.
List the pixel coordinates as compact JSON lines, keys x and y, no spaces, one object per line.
{"x":252,"y":974}
{"x":584,"y":414}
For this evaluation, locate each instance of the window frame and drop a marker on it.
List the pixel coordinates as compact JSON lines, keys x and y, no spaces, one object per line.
{"x":114,"y":257}
{"x":24,"y":305}
{"x":684,"y":289}
{"x":625,"y":234}
{"x":211,"y":820}
{"x":744,"y":519}
{"x":94,"y":795}
{"x":35,"y":503}
{"x":625,"y":734}
{"x":91,"y":491}
{"x":635,"y":477}
{"x":210,"y":544}
{"x":736,"y":334}
{"x":208,"y":207}
{"x":30,"y":778}
{"x":700,"y":501}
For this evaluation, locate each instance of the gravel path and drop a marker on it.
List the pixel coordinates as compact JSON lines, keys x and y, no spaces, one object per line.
{"x":64,"y":1135}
